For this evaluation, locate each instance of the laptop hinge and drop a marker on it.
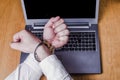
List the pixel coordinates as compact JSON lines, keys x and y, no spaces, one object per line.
{"x":79,"y":25}
{"x":39,"y":24}
{"x":70,"y":25}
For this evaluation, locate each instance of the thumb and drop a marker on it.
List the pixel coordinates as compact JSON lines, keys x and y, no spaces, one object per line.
{"x":15,"y":46}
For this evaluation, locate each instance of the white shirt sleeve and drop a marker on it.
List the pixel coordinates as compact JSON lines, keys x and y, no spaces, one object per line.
{"x":28,"y":70}
{"x":53,"y":69}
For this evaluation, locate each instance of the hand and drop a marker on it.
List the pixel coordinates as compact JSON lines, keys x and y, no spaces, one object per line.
{"x":56,"y":32}
{"x":25,"y":41}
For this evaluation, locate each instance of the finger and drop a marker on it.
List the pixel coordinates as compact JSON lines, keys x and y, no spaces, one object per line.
{"x":16,"y":38}
{"x":55,"y":19}
{"x":64,"y":39}
{"x":51,"y":21}
{"x":60,"y":28}
{"x":57,"y":23}
{"x":63,"y":33}
{"x":60,"y":42}
{"x":15,"y":46}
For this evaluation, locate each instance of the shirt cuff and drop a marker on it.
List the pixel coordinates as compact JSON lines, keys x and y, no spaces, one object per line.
{"x":30,"y":60}
{"x":53,"y":68}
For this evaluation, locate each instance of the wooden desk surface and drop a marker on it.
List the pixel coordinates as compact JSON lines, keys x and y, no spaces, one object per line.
{"x":12,"y":21}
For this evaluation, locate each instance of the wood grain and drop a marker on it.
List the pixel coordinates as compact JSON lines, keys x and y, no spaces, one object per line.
{"x":12,"y":21}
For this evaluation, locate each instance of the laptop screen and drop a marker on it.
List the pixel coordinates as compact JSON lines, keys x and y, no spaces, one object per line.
{"x":45,"y":9}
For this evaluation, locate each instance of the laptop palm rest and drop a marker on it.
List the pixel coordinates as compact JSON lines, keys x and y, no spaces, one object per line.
{"x":80,"y":62}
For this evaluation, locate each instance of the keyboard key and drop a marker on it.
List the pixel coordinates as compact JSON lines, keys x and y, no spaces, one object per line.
{"x":80,"y":41}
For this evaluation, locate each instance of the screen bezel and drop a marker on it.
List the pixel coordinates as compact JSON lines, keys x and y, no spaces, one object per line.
{"x":73,"y":20}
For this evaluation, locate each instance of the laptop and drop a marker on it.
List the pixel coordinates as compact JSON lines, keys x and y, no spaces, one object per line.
{"x":81,"y":55}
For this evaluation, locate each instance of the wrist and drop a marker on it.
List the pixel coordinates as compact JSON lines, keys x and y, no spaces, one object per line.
{"x":43,"y":52}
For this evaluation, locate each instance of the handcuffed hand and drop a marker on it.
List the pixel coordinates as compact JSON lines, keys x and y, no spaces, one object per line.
{"x":56,"y":32}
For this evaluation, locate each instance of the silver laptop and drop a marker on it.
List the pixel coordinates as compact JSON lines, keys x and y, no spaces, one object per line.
{"x":81,"y":55}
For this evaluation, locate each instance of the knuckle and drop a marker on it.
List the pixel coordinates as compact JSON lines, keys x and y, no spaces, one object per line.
{"x":67,"y":31}
{"x":64,"y":25}
{"x":62,"y":20}
{"x":23,"y":31}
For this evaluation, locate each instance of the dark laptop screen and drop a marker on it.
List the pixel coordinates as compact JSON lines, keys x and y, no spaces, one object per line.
{"x":44,"y":9}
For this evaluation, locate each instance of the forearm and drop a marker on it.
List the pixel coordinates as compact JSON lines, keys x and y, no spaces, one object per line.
{"x":50,"y":65}
{"x":53,"y":69}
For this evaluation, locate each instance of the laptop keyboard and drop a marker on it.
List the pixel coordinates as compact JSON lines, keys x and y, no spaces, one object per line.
{"x":39,"y":35}
{"x":78,"y":41}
